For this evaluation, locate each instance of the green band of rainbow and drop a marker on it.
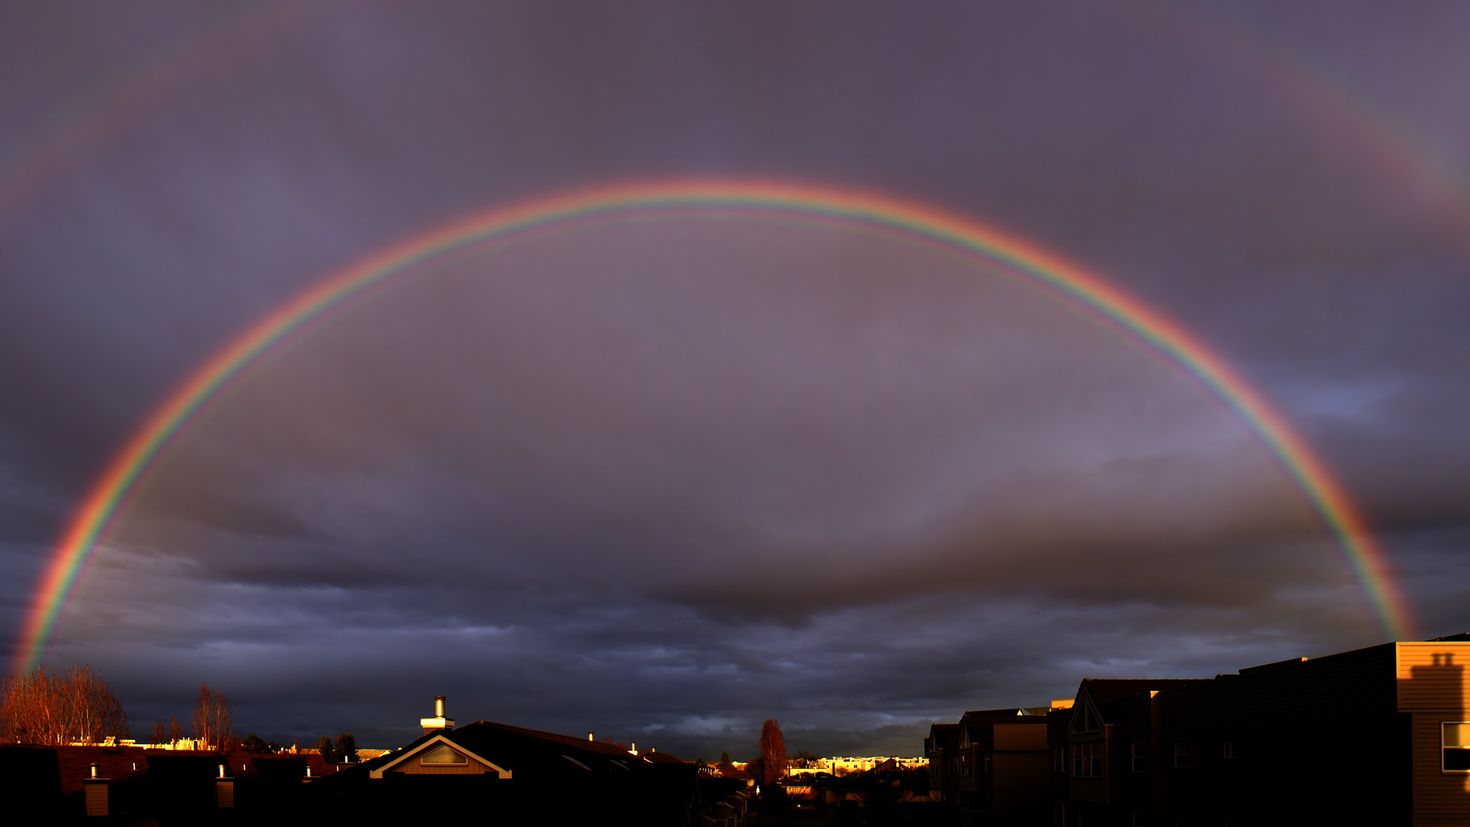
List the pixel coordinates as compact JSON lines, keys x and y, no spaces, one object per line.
{"x":879,"y":211}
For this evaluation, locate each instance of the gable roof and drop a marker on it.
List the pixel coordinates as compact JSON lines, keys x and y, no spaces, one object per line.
{"x":1089,"y":713}
{"x":975,"y":724}
{"x":430,"y":743}
{"x":512,"y":751}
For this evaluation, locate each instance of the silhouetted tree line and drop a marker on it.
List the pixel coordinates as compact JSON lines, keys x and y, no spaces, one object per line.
{"x":343,"y":751}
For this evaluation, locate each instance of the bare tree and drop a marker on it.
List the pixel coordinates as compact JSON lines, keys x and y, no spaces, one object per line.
{"x":212,"y":724}
{"x":42,"y":708}
{"x":773,"y":752}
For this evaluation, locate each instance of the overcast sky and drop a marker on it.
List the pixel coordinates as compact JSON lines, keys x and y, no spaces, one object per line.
{"x":665,"y":478}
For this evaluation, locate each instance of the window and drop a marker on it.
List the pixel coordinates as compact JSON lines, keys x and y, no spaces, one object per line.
{"x":1182,"y":756}
{"x":1059,"y":759}
{"x":964,"y":765}
{"x":1227,"y":749}
{"x":1455,"y":746}
{"x":1087,"y":760}
{"x":443,"y":756}
{"x":1139,"y":757}
{"x":987,"y":763}
{"x":1086,"y":719}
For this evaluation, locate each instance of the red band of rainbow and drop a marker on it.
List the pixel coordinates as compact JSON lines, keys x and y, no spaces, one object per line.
{"x":879,"y":211}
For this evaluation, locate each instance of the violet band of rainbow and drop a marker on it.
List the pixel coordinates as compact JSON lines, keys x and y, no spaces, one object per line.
{"x":879,"y":211}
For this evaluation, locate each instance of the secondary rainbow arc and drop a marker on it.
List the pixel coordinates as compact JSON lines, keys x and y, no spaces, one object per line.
{"x":879,"y":211}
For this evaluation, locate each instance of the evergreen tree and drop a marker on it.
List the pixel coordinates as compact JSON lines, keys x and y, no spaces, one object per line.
{"x":346,"y":748}
{"x":324,"y":746}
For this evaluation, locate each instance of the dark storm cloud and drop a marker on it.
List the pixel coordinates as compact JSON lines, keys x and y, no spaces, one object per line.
{"x":665,"y":479}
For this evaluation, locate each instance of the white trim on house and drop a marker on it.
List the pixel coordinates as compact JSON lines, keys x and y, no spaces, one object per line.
{"x":438,"y":740}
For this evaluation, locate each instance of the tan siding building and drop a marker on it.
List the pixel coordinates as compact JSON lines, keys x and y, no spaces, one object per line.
{"x":1433,"y":692}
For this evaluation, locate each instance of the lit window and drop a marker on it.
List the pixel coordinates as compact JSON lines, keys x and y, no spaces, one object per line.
{"x":1455,"y":738}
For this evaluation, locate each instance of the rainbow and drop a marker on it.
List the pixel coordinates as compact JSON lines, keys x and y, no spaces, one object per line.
{"x":74,"y":128}
{"x":876,"y":211}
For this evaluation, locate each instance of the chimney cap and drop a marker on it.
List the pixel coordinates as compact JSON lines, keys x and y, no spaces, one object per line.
{"x":439,"y":722}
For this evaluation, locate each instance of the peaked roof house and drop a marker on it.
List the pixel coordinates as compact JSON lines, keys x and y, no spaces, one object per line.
{"x":1372,"y":736}
{"x":1003,"y":767}
{"x":511,"y":774}
{"x":1102,"y":747}
{"x":1379,"y":735}
{"x":941,"y":748}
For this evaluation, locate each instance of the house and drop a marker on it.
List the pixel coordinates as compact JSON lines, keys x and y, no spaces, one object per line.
{"x":511,"y":774}
{"x":1103,"y":748}
{"x":1379,"y":736}
{"x":1004,"y":762}
{"x":1375,"y":735}
{"x":941,"y":749}
{"x":59,"y":784}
